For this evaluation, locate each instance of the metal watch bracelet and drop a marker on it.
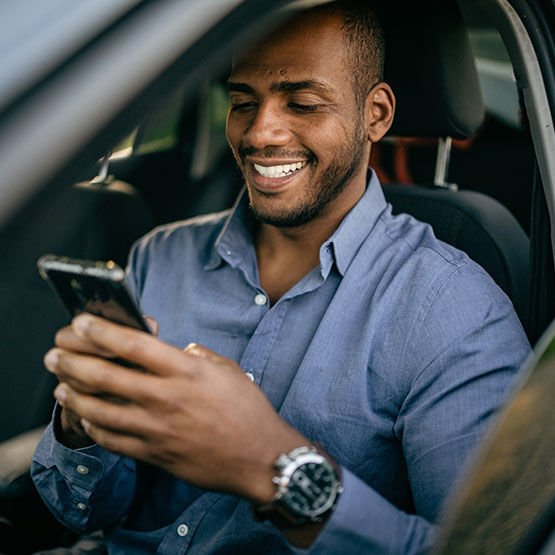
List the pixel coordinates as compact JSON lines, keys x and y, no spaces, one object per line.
{"x":309,"y":485}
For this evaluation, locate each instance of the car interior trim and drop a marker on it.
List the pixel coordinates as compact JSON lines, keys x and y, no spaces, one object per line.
{"x":50,"y":118}
{"x":528,"y":71}
{"x":31,"y":60}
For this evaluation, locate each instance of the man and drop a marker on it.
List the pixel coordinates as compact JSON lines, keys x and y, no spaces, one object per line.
{"x":313,"y":318}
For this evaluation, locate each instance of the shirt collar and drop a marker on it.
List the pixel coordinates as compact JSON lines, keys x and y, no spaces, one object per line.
{"x":235,"y":239}
{"x":343,"y":245}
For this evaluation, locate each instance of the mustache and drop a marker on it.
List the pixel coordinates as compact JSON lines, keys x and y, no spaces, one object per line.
{"x":275,"y":153}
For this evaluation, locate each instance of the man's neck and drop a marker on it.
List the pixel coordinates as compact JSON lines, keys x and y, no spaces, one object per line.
{"x":286,"y":255}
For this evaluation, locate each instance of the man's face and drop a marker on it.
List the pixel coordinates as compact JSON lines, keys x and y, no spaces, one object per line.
{"x":294,"y":126}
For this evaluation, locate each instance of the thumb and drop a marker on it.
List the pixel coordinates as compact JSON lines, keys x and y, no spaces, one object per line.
{"x":152,"y":324}
{"x":196,"y":350}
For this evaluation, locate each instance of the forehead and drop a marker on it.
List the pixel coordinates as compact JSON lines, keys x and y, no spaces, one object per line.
{"x":306,"y":47}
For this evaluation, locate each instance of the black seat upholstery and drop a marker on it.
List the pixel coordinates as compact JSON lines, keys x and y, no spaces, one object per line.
{"x":478,"y":225}
{"x":430,"y":66}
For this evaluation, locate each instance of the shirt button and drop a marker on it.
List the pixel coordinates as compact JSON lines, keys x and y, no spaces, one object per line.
{"x":182,"y":530}
{"x":82,"y":469}
{"x":260,"y":299}
{"x":81,"y":506}
{"x":250,"y":376}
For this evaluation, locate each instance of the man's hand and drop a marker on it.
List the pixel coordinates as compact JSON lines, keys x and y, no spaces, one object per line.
{"x":72,"y":433}
{"x":192,"y":412}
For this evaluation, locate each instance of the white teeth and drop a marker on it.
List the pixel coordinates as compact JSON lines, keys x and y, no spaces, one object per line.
{"x":278,"y":171}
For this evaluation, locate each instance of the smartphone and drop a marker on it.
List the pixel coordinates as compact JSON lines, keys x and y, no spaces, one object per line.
{"x":91,"y":286}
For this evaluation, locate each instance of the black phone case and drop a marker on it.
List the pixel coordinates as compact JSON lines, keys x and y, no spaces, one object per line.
{"x":92,"y":286}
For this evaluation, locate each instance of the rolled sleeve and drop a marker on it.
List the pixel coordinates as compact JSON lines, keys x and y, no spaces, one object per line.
{"x":86,"y":489}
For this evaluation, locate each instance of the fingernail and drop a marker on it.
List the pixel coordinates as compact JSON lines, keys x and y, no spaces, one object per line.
{"x":192,"y":349}
{"x":82,"y":323}
{"x":85,"y":424}
{"x":51,"y":360}
{"x":60,"y":393}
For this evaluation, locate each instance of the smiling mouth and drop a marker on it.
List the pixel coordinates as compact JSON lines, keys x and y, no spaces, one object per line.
{"x":279,"y":171}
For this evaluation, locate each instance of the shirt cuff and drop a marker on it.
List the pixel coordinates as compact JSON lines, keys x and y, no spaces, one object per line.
{"x":84,"y":467}
{"x":365,"y":522}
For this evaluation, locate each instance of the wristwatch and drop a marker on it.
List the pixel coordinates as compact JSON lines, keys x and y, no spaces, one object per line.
{"x":309,"y":485}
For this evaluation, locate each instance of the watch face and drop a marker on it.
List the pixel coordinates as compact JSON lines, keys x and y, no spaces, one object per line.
{"x":311,"y":489}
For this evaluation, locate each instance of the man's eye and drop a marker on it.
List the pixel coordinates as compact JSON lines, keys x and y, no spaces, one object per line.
{"x":303,"y":107}
{"x":242,"y":106}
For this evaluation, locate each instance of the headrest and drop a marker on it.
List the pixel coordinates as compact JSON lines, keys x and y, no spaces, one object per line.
{"x":430,"y":67}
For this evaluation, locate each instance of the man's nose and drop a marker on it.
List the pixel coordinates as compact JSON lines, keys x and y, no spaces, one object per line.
{"x":268,"y":128}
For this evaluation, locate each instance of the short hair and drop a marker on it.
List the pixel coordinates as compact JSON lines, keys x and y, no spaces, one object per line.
{"x":365,"y":37}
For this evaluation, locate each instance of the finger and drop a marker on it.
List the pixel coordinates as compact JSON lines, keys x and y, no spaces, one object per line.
{"x":204,"y":354}
{"x":152,"y":324}
{"x":51,"y":363}
{"x":138,"y":347}
{"x":94,"y":375}
{"x":129,"y":419}
{"x":67,"y":339}
{"x":70,"y":419}
{"x":123,"y":444}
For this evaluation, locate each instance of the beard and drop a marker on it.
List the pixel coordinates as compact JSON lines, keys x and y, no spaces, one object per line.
{"x":332,"y":183}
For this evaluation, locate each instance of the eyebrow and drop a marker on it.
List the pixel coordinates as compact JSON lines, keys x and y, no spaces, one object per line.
{"x":239,"y":87}
{"x":310,"y":84}
{"x":284,"y":86}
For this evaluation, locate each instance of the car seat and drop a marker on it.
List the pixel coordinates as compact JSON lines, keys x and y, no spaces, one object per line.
{"x":430,"y":66}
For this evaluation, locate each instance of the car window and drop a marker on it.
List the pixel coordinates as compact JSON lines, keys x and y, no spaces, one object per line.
{"x":159,"y":132}
{"x":497,"y":79}
{"x":211,"y":142}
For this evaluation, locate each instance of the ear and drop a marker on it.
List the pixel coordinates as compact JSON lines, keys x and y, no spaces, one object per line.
{"x":378,"y":111}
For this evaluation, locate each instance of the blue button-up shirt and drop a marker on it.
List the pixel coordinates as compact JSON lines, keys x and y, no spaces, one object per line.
{"x":392,"y":354}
